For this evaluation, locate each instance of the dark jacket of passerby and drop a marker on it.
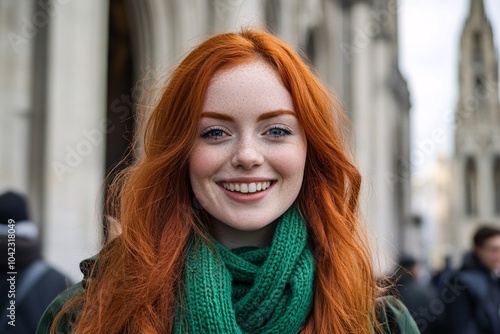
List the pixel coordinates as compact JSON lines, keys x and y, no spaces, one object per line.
{"x":27,"y":283}
{"x":31,"y":302}
{"x":417,"y":297}
{"x":476,"y":309}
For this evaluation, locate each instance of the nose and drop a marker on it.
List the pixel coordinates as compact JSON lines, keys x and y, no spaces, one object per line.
{"x":248,"y":153}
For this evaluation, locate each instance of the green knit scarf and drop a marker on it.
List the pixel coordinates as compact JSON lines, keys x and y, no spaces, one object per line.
{"x":250,"y":289}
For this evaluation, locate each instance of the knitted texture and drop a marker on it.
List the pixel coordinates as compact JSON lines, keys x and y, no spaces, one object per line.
{"x":250,"y":289}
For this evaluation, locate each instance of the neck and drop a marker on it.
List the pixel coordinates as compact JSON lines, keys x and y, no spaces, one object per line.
{"x":234,"y":238}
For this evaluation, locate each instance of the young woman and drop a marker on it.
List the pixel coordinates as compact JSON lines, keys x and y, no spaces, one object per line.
{"x":241,"y":216}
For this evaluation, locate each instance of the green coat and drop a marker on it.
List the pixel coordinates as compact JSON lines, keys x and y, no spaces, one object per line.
{"x":391,"y":313}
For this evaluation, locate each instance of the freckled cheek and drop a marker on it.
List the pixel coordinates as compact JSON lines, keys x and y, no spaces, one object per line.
{"x":290,"y":165}
{"x":202,"y":165}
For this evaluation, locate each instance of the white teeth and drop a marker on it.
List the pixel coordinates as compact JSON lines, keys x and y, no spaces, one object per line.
{"x":246,"y":187}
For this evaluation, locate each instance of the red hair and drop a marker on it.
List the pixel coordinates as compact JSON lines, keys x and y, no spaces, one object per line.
{"x":137,"y":280}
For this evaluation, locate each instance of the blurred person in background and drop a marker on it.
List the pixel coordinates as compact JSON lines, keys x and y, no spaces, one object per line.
{"x":442,"y":275}
{"x":477,"y":306}
{"x":28,"y":292}
{"x":415,"y":294}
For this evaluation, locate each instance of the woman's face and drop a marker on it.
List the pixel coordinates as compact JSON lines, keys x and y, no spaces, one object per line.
{"x":247,"y":166}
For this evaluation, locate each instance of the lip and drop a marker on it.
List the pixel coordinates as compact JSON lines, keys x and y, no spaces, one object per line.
{"x":246,"y":180}
{"x":246,"y":197}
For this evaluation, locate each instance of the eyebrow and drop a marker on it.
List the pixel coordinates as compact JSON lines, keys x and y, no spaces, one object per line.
{"x":217,"y":115}
{"x":264,"y":116}
{"x":275,"y":113}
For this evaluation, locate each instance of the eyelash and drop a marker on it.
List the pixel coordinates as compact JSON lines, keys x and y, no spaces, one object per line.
{"x":286,"y":131}
{"x":207,"y":132}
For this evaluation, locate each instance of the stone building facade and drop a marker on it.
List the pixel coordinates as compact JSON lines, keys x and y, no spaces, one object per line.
{"x":477,"y":135}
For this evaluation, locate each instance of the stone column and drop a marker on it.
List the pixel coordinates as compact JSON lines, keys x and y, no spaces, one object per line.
{"x":385,"y":119}
{"x":76,"y":128}
{"x":17,"y":31}
{"x":359,"y":50}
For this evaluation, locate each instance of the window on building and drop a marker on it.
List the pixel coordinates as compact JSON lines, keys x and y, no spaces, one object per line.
{"x":476,"y":47}
{"x":470,"y":187}
{"x":496,"y":185}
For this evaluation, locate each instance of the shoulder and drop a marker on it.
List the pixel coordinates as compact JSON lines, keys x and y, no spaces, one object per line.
{"x":55,"y":307}
{"x":476,"y":281}
{"x":394,"y":317}
{"x":51,"y":283}
{"x":86,"y":267}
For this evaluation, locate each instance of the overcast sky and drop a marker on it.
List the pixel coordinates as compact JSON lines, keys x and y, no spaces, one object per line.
{"x":429,"y":53}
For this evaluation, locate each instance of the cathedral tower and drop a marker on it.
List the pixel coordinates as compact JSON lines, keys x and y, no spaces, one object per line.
{"x":477,"y":133}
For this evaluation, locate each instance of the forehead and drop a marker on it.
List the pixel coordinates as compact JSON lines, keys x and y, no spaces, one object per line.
{"x":255,"y":83}
{"x":494,"y":241}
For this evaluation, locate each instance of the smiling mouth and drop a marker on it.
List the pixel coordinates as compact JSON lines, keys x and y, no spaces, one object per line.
{"x":246,"y":188}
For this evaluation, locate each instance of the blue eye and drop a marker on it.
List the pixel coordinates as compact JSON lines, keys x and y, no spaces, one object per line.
{"x":279,"y":131}
{"x":213,"y":133}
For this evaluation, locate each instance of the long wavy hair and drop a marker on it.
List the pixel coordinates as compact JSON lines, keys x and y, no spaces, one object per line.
{"x":136,"y":282}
